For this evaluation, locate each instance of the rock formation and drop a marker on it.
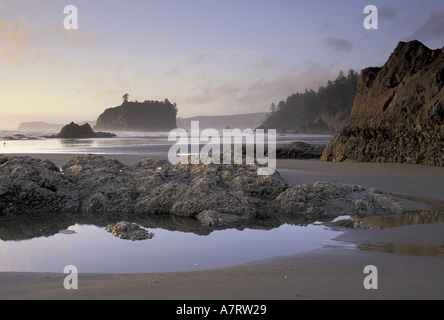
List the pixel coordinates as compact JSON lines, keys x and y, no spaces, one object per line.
{"x":75,"y":131}
{"x":139,"y":116}
{"x":129,"y":231}
{"x":299,"y":150}
{"x":398,"y":112}
{"x":216,"y":195}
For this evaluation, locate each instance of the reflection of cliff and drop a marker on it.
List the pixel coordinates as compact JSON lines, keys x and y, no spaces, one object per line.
{"x":139,"y":116}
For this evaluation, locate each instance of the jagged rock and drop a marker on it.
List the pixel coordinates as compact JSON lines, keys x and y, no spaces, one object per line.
{"x":75,"y":131}
{"x":327,"y":200}
{"x":129,"y":231}
{"x":398,"y":113}
{"x":139,"y":116}
{"x":299,"y":150}
{"x":216,"y":195}
{"x":30,"y":185}
{"x":104,"y":185}
{"x":187,"y":190}
{"x":215,"y":219}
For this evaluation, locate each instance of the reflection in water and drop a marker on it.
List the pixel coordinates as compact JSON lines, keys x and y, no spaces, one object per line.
{"x":408,"y":219}
{"x":47,"y":243}
{"x":404,"y":248}
{"x":76,"y":143}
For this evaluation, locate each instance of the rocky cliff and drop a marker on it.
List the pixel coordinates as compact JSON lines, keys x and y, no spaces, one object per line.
{"x":398,"y":112}
{"x":139,"y":116}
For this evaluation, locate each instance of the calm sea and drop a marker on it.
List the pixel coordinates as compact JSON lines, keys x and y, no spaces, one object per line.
{"x":130,"y":143}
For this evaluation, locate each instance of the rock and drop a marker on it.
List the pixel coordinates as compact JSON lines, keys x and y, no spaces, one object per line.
{"x":398,"y":113}
{"x":67,"y":232}
{"x":327,"y":200}
{"x":299,"y":150}
{"x":129,"y":231}
{"x":187,"y":190}
{"x":215,"y":195}
{"x":75,"y":131}
{"x":294,"y":150}
{"x":32,"y":186}
{"x":104,"y":185}
{"x":215,"y":219}
{"x":139,"y":116}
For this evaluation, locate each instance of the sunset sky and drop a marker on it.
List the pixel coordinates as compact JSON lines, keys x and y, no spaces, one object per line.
{"x":210,"y":57}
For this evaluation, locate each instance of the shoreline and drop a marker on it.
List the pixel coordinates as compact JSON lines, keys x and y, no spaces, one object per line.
{"x":332,"y":272}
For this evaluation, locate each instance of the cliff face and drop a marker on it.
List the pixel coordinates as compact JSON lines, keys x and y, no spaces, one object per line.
{"x":139,"y":116}
{"x":398,"y":112}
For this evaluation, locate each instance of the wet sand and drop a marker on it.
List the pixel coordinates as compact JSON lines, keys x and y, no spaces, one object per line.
{"x":409,"y":259}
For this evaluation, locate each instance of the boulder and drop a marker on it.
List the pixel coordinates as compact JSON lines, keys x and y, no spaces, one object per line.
{"x":217,"y":196}
{"x":398,"y":112}
{"x":30,"y":186}
{"x":103,"y":185}
{"x":326,"y":200}
{"x":129,"y":231}
{"x":75,"y":131}
{"x":299,"y":150}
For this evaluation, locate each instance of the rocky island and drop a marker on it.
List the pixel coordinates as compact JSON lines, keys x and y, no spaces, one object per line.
{"x":139,"y":116}
{"x":75,"y":131}
{"x":398,"y":112}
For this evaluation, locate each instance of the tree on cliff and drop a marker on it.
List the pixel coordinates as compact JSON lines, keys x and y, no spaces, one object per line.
{"x":326,"y":110}
{"x":125,"y":97}
{"x":149,"y":115}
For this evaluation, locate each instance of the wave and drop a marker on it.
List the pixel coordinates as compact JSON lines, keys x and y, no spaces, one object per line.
{"x":9,"y":135}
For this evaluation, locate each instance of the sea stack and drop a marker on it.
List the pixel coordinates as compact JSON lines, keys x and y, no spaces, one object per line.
{"x":398,"y":112}
{"x":139,"y":116}
{"x":75,"y":131}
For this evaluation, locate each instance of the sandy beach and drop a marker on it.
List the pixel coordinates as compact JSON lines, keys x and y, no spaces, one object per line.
{"x":409,"y":263}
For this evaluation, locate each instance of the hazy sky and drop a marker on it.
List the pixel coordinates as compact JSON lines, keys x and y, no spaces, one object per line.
{"x":209,"y":56}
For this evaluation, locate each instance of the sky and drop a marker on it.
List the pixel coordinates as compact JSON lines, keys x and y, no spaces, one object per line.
{"x":209,"y":57}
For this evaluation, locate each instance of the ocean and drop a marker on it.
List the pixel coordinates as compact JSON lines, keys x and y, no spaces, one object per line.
{"x":129,"y":143}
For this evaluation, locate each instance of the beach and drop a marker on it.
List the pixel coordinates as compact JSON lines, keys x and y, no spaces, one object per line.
{"x":409,"y":264}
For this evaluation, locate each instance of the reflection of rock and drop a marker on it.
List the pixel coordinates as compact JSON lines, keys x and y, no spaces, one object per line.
{"x":129,"y":231}
{"x":216,"y":195}
{"x":66,"y":231}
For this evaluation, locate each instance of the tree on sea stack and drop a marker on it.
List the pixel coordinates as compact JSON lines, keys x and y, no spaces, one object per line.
{"x":125,"y":97}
